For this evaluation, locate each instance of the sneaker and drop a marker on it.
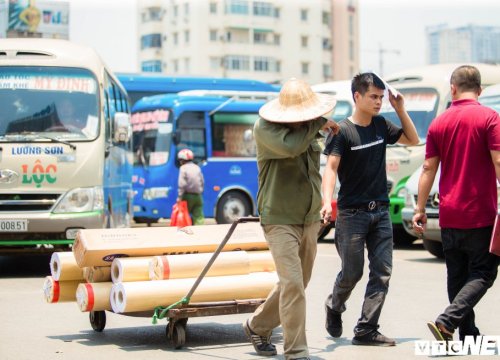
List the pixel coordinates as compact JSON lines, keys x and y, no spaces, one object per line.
{"x":333,"y":322}
{"x":373,"y":338}
{"x":261,"y":344}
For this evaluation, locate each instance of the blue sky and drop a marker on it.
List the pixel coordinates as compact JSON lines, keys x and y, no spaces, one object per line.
{"x":394,"y":25}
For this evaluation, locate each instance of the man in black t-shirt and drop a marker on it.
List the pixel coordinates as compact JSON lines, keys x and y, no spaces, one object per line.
{"x":357,"y":155}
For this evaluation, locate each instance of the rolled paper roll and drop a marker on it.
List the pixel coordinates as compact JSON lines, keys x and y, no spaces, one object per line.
{"x":146,"y":295}
{"x":63,"y":267}
{"x":94,"y":296}
{"x":59,"y":291}
{"x":130,"y":269}
{"x":191,"y":265}
{"x":261,"y":261}
{"x":93,"y":274}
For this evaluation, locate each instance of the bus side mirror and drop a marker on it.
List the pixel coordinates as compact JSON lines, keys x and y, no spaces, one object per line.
{"x":176,"y":137}
{"x":122,"y":127}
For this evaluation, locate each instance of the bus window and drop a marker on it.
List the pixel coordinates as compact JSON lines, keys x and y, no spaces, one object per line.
{"x":232,"y":134}
{"x":191,"y":126}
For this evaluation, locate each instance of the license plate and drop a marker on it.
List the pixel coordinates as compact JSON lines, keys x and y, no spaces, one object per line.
{"x":432,"y":224}
{"x":13,"y":225}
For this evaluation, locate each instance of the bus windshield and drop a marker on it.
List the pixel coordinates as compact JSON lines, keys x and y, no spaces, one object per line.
{"x":48,"y":102}
{"x":421,"y":105}
{"x":152,"y":136}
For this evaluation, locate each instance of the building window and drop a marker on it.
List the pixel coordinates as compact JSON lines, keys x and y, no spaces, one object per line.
{"x":151,"y":41}
{"x":259,"y":38}
{"x":176,"y":38}
{"x":327,"y":71}
{"x":237,"y":62}
{"x":176,"y":11}
{"x":276,"y":13}
{"x":261,"y":8}
{"x":187,"y":65}
{"x":263,"y":63}
{"x":186,"y":9}
{"x":351,"y":50}
{"x":186,"y":36}
{"x":151,"y":66}
{"x":303,"y":41}
{"x":305,"y":68}
{"x":152,"y":14}
{"x":213,"y":8}
{"x":326,"y":18}
{"x":277,"y":39}
{"x":237,"y":7}
{"x":213,"y":35}
{"x":327,"y":44}
{"x":303,"y":14}
{"x":351,"y":25}
{"x":175,"y":65}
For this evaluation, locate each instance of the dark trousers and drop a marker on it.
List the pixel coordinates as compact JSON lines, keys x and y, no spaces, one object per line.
{"x":353,"y":230}
{"x":472,"y":269}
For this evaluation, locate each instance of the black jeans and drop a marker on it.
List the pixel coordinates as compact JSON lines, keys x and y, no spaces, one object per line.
{"x":353,"y":230}
{"x":472,"y":269}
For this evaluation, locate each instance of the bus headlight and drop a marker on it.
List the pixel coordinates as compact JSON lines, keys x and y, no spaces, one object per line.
{"x":81,"y":200}
{"x":155,"y":193}
{"x":409,"y":200}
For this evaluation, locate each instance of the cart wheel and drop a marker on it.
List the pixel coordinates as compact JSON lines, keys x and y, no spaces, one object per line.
{"x":97,"y":320}
{"x":178,"y":337}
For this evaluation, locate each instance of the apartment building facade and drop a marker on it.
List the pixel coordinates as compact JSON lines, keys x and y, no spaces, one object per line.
{"x":316,"y":40}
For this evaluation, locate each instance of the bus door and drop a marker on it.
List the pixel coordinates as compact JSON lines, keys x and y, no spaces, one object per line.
{"x":231,"y":186}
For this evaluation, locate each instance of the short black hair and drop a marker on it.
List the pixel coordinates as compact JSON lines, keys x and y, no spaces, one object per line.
{"x":362,"y":81}
{"x":466,"y":78}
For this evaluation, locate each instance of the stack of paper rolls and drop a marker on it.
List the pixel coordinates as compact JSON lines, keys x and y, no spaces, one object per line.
{"x":59,"y":291}
{"x":93,"y":274}
{"x":227,"y":263}
{"x":130,"y":269}
{"x":146,"y":295}
{"x":94,"y":296}
{"x":63,"y":267}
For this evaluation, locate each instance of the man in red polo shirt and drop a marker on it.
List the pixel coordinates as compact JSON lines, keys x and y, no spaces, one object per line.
{"x":465,"y":139}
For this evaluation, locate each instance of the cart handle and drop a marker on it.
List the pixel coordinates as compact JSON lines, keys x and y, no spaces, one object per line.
{"x":160,"y":312}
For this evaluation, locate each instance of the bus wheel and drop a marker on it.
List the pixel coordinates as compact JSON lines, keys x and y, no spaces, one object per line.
{"x":231,"y":206}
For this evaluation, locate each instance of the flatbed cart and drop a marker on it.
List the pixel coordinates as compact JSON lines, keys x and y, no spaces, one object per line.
{"x":179,"y":312}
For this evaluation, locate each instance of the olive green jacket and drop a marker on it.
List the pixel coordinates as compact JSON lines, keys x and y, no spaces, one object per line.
{"x":289,"y":178}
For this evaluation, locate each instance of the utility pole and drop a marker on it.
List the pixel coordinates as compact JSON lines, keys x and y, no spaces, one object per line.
{"x":381,"y":52}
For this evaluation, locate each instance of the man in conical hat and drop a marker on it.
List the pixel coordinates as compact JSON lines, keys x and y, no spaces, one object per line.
{"x":289,"y":203}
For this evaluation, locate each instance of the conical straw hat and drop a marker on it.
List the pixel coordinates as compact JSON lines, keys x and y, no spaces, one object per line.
{"x":297,"y":102}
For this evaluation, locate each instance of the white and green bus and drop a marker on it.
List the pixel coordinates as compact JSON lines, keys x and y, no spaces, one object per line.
{"x":65,"y":144}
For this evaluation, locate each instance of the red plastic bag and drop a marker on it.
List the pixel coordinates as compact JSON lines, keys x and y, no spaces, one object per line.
{"x":180,"y":215}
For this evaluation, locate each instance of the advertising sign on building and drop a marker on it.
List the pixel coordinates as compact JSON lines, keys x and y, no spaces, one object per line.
{"x":46,"y":18}
{"x":4,"y":17}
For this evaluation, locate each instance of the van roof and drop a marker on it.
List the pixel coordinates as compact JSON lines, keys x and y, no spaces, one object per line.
{"x":441,"y":73}
{"x":493,"y":90}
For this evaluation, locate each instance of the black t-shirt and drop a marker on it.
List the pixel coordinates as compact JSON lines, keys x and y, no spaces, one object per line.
{"x":362,"y":170}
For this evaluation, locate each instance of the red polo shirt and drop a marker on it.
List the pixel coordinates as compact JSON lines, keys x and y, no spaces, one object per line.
{"x":462,"y":137}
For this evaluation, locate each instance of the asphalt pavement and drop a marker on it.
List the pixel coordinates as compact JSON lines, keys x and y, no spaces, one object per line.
{"x":33,"y":329}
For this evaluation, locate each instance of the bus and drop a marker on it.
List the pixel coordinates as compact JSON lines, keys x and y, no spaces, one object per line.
{"x":218,"y":129}
{"x":65,"y":145}
{"x":140,"y":85}
{"x":427,"y":94}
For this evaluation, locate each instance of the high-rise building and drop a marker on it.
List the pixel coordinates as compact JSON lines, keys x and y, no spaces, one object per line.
{"x":469,"y":43}
{"x":316,"y":40}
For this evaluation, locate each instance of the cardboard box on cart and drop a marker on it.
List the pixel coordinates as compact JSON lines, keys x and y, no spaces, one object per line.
{"x":98,"y":247}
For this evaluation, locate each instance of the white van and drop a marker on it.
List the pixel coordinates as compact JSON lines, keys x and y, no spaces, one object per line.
{"x":432,"y":234}
{"x":427,"y":94}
